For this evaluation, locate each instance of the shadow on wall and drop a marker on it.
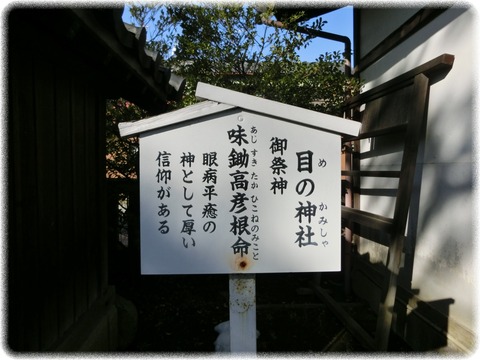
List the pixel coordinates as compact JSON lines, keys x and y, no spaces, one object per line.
{"x":424,"y":326}
{"x":427,"y":325}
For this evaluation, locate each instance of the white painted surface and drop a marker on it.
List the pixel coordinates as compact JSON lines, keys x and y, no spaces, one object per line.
{"x":445,"y":257}
{"x":181,"y":116}
{"x":376,"y":29}
{"x":243,"y":314}
{"x":277,"y":230}
{"x":219,"y":99}
{"x":301,"y":116}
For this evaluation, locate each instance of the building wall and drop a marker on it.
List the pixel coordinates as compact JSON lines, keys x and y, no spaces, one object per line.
{"x":444,"y":262}
{"x":57,"y":244}
{"x":371,"y":36}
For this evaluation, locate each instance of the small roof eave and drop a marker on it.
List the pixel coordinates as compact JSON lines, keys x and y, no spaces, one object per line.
{"x":300,"y":116}
{"x":220,"y":99}
{"x":191,"y":112}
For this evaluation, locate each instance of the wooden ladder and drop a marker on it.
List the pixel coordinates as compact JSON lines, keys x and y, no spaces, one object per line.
{"x":393,"y":117}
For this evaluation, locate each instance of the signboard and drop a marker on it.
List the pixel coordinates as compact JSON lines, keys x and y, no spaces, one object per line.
{"x":239,"y":192}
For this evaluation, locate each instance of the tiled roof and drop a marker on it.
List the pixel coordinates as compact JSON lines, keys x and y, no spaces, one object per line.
{"x":148,"y":59}
{"x":97,"y":40}
{"x":147,"y":80}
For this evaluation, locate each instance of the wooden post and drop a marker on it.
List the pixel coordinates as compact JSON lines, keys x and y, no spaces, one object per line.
{"x":243,"y":317}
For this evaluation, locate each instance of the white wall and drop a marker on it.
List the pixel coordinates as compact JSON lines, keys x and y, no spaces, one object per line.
{"x":371,"y":36}
{"x":445,"y":259}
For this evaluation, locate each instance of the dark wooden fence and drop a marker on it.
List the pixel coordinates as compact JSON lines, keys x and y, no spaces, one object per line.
{"x":57,"y":256}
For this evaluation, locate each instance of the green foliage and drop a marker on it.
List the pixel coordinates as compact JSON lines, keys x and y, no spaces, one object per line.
{"x":227,"y":45}
{"x":122,"y":154}
{"x":320,"y":86}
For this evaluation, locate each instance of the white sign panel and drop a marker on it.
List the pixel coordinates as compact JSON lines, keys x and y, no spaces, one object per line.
{"x":239,"y":193}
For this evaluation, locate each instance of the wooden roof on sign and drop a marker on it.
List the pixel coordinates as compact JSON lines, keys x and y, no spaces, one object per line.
{"x":219,"y":99}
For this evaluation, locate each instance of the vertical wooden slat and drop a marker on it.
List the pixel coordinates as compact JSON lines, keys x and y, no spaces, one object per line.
{"x":414,"y":131}
{"x":15,"y":198}
{"x":23,"y":274}
{"x":101,"y":195}
{"x":91,"y":209}
{"x":57,"y":230}
{"x":79,"y":174}
{"x":47,"y":199}
{"x":65,"y":200}
{"x":356,"y":181}
{"x":348,"y":196}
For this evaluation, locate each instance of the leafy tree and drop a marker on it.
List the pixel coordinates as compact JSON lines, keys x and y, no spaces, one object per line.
{"x":122,"y":154}
{"x":226,"y":45}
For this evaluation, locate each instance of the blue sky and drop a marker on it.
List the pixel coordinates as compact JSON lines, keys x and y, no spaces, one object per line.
{"x":339,"y":22}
